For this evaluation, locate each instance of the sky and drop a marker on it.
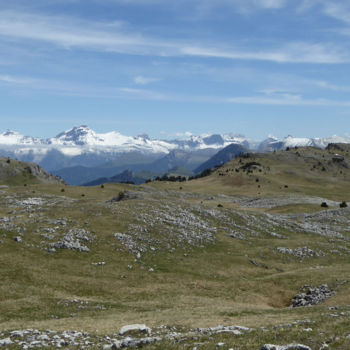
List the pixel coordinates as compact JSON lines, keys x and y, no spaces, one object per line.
{"x":169,"y":68}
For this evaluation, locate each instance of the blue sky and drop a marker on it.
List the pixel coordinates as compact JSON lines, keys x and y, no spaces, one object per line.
{"x":164,"y":67}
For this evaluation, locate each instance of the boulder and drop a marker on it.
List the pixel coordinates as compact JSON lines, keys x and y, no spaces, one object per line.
{"x":135,"y":328}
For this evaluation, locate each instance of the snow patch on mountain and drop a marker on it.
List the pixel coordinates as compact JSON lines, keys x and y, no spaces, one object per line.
{"x":10,"y":137}
{"x":89,"y":141}
{"x":81,"y":140}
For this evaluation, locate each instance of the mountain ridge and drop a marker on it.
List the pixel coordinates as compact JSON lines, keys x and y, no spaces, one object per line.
{"x":81,"y":146}
{"x":84,"y":137}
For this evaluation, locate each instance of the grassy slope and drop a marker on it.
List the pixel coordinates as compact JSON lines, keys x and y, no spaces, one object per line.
{"x":216,"y":284}
{"x":13,"y":172}
{"x":299,"y":169}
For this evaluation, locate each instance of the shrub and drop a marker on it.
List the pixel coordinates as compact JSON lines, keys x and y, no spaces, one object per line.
{"x":62,"y":189}
{"x":220,"y":206}
{"x":324,"y":205}
{"x":343,"y":204}
{"x":102,"y":186}
{"x":121,"y":195}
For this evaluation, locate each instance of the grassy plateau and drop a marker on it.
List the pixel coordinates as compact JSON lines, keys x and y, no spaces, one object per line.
{"x":200,"y":253}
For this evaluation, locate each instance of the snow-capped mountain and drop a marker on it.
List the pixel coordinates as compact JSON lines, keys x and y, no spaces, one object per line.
{"x":81,"y":146}
{"x":82,"y":140}
{"x":273,"y":143}
{"x":14,"y":138}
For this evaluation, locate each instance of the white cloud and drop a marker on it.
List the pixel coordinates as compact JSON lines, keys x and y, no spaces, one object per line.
{"x":338,"y":11}
{"x":141,"y":80}
{"x":297,"y":52}
{"x":184,"y":134}
{"x":15,"y":80}
{"x":287,"y":100}
{"x":68,"y":33}
{"x":143,"y":94}
{"x":267,"y":96}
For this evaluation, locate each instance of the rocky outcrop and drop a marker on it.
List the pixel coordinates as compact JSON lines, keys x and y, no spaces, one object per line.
{"x":300,"y":252}
{"x":285,"y":347}
{"x":73,"y":240}
{"x":15,"y":172}
{"x":312,"y":295}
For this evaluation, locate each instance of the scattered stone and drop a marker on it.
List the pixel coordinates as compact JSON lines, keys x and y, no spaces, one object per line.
{"x":73,"y":240}
{"x":307,"y":329}
{"x":236,"y":330}
{"x":276,"y":235}
{"x":285,"y":347}
{"x":18,"y":239}
{"x":300,"y":252}
{"x":237,"y":235}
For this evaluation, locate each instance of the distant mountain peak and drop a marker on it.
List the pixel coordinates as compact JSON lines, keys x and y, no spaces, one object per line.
{"x":79,"y":135}
{"x":9,"y":132}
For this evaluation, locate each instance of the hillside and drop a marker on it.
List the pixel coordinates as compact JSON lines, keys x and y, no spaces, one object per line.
{"x":183,"y":259}
{"x":124,"y":177}
{"x":13,"y":172}
{"x":221,"y":157}
{"x":303,"y":170}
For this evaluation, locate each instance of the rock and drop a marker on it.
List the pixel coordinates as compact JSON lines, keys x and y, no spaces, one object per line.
{"x":300,"y":252}
{"x":124,"y":195}
{"x":133,"y":343}
{"x":285,"y":347}
{"x":312,"y":295}
{"x":236,"y":330}
{"x":18,"y":239}
{"x":116,"y":345}
{"x":73,"y":240}
{"x":140,"y":328}
{"x":6,"y":341}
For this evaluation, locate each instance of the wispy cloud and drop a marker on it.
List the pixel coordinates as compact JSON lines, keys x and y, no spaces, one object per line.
{"x":337,"y":10}
{"x":144,"y":94}
{"x":141,"y":80}
{"x":183,"y":134}
{"x":268,"y":96}
{"x":297,"y":52}
{"x":8,"y":79}
{"x":287,"y":100}
{"x":69,"y":33}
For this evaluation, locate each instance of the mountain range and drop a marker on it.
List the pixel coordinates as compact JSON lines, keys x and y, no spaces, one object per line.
{"x":80,"y":155}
